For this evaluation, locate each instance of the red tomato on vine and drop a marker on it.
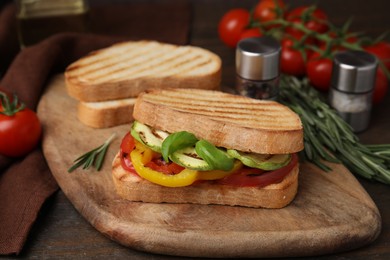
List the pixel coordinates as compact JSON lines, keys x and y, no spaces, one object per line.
{"x":292,"y":61}
{"x":381,"y":87}
{"x":382,"y":51}
{"x":265,"y":10}
{"x":319,"y":72}
{"x":20,"y":129}
{"x":231,"y":25}
{"x":311,"y":17}
{"x":252,"y":32}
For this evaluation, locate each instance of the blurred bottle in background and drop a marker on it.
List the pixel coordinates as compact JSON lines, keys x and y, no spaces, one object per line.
{"x":39,"y":19}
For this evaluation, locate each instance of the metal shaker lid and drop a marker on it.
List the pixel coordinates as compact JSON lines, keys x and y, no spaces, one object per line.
{"x":258,"y":58}
{"x":354,"y":71}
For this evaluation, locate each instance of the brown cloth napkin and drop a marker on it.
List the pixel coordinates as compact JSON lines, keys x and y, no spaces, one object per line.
{"x":26,"y":183}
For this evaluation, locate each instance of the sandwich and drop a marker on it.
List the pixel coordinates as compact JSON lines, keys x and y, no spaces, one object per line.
{"x":106,"y":82}
{"x":209,"y":147}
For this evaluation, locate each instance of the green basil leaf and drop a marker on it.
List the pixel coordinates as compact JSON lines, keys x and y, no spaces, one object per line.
{"x":215,"y":157}
{"x":177,"y":141}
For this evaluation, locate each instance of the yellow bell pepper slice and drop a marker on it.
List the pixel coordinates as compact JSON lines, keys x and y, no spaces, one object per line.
{"x":141,"y":155}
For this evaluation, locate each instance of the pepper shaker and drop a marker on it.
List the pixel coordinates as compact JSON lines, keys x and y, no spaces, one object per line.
{"x":257,"y":67}
{"x":352,"y":83}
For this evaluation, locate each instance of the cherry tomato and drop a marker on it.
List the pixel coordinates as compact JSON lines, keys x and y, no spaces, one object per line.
{"x":381,"y":87}
{"x":315,"y":21}
{"x":265,"y":10}
{"x":248,"y":177}
{"x":382,"y":51}
{"x":20,"y":132}
{"x":319,"y":72}
{"x":232,"y":25}
{"x":292,"y":61}
{"x":158,"y":164}
{"x":252,"y":32}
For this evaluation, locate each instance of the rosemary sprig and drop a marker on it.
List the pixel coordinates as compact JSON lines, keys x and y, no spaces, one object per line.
{"x":94,"y":157}
{"x":327,"y":137}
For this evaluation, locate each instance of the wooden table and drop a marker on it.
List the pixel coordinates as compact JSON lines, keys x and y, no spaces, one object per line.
{"x":61,"y":232}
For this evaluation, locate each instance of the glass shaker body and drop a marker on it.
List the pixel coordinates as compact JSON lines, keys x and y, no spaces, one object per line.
{"x":257,"y":67}
{"x":354,"y":108}
{"x":39,"y":19}
{"x":352,"y":83}
{"x":267,"y":89}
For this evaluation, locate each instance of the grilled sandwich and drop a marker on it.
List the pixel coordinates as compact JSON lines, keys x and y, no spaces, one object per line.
{"x":209,"y":147}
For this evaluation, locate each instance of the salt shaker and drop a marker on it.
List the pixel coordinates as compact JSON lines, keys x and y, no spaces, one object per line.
{"x":352,"y":83}
{"x":257,"y":67}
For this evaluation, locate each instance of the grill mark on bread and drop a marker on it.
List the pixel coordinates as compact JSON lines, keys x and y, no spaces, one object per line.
{"x":267,"y":120}
{"x":218,"y":105}
{"x":187,"y":65}
{"x":141,"y":63}
{"x":101,"y":59}
{"x":171,"y":67}
{"x":129,"y":68}
{"x":210,"y":96}
{"x":105,"y":73}
{"x":183,"y":101}
{"x":134,"y":70}
{"x":225,"y":107}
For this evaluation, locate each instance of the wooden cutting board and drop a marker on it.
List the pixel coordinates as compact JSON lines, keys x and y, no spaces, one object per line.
{"x":330,"y":213}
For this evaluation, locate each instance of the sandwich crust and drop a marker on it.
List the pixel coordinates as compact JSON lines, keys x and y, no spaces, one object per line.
{"x":109,"y":114}
{"x":132,"y":187}
{"x":226,"y":120}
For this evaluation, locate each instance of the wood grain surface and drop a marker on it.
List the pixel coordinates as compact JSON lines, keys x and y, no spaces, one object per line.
{"x":331,"y":212}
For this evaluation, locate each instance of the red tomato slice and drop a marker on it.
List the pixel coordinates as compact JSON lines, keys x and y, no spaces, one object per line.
{"x":127,"y":164}
{"x":158,"y":164}
{"x":248,"y":177}
{"x":128,"y":143}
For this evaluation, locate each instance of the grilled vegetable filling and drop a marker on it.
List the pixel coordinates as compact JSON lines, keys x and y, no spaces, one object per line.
{"x":180,"y":159}
{"x":186,"y":150}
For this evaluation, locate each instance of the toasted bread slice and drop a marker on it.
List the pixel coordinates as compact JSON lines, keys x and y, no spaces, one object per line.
{"x":106,"y":114}
{"x":132,"y":187}
{"x":226,"y":120}
{"x":126,"y":69}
